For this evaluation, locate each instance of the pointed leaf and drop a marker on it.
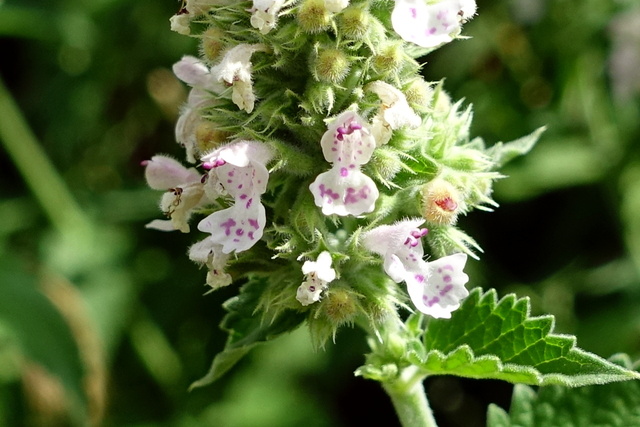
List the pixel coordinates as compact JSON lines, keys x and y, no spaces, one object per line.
{"x":247,"y":329}
{"x":503,"y":152}
{"x":487,"y":338}
{"x":600,"y":405}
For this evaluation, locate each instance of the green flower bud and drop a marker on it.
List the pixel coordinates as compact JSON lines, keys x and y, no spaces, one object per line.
{"x":353,"y":22}
{"x":208,"y":136}
{"x":330,"y":65}
{"x":313,"y":16}
{"x":340,"y":306}
{"x":212,"y":43}
{"x":419,"y":94}
{"x":388,"y":59}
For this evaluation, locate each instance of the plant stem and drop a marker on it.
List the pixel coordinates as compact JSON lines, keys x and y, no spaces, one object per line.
{"x":410,"y":400}
{"x":35,"y":167}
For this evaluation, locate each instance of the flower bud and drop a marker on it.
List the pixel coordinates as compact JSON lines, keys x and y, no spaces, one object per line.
{"x":212,"y":43}
{"x":313,"y":16}
{"x":419,"y":94}
{"x":340,"y":306}
{"x":388,"y":59}
{"x":354,"y":22}
{"x":209,"y":137}
{"x":441,"y":202}
{"x":330,"y":65}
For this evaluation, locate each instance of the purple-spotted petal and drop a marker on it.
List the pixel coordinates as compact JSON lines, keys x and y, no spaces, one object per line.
{"x":348,"y":141}
{"x":442,"y":290}
{"x":344,"y":192}
{"x":236,"y":228}
{"x":430,"y":25}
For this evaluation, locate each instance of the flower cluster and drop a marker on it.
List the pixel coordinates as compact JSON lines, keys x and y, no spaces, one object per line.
{"x":315,"y":138}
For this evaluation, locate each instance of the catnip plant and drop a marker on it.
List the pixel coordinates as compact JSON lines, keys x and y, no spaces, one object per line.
{"x":327,"y":177}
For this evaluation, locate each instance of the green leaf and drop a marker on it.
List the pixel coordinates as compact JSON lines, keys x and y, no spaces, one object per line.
{"x":487,"y":338}
{"x":503,"y":152}
{"x":41,"y":332}
{"x":600,"y":405}
{"x":247,"y":328}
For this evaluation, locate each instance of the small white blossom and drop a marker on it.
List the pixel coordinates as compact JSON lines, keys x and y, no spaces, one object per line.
{"x":190,"y":119}
{"x":184,"y":192}
{"x":335,"y":6}
{"x":240,"y":170}
{"x":431,"y":24}
{"x":180,"y":23}
{"x":264,"y":14}
{"x":235,"y":70}
{"x":210,"y":254}
{"x":394,"y":112}
{"x":344,"y":189}
{"x":318,"y":274}
{"x":435,"y":288}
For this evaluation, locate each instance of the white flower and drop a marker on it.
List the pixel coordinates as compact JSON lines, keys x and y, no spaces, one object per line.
{"x":318,"y":274}
{"x":335,"y":6}
{"x":192,"y":9}
{"x":433,"y":24}
{"x":344,"y":189}
{"x":394,"y":112}
{"x":235,"y":69}
{"x":264,"y":14}
{"x":196,"y":74}
{"x":190,"y":120}
{"x":240,"y":170}
{"x":435,"y":288}
{"x":184,"y":192}
{"x":180,"y":23}
{"x":209,"y":253}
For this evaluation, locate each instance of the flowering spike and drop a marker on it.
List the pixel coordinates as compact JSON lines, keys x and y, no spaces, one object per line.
{"x":344,"y":189}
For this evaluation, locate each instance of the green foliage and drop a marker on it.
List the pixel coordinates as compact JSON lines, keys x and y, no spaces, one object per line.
{"x":491,"y":338}
{"x":42,"y":334}
{"x":599,"y":405}
{"x":247,"y":328}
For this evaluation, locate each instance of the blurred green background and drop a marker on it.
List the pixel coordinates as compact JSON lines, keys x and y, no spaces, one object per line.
{"x":103,"y":322}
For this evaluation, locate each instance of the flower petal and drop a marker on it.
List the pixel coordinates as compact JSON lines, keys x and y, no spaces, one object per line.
{"x":236,"y":228}
{"x":440,"y":293}
{"x":163,"y":173}
{"x":430,"y":25}
{"x":343,"y":192}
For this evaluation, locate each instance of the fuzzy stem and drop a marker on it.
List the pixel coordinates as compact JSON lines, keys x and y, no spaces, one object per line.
{"x":410,"y":400}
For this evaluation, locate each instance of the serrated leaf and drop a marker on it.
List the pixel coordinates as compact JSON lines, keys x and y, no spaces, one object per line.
{"x":487,"y":338}
{"x":247,"y":328}
{"x":594,"y":406}
{"x":503,"y":152}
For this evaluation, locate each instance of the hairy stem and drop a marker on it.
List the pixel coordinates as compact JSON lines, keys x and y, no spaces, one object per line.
{"x":410,"y":400}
